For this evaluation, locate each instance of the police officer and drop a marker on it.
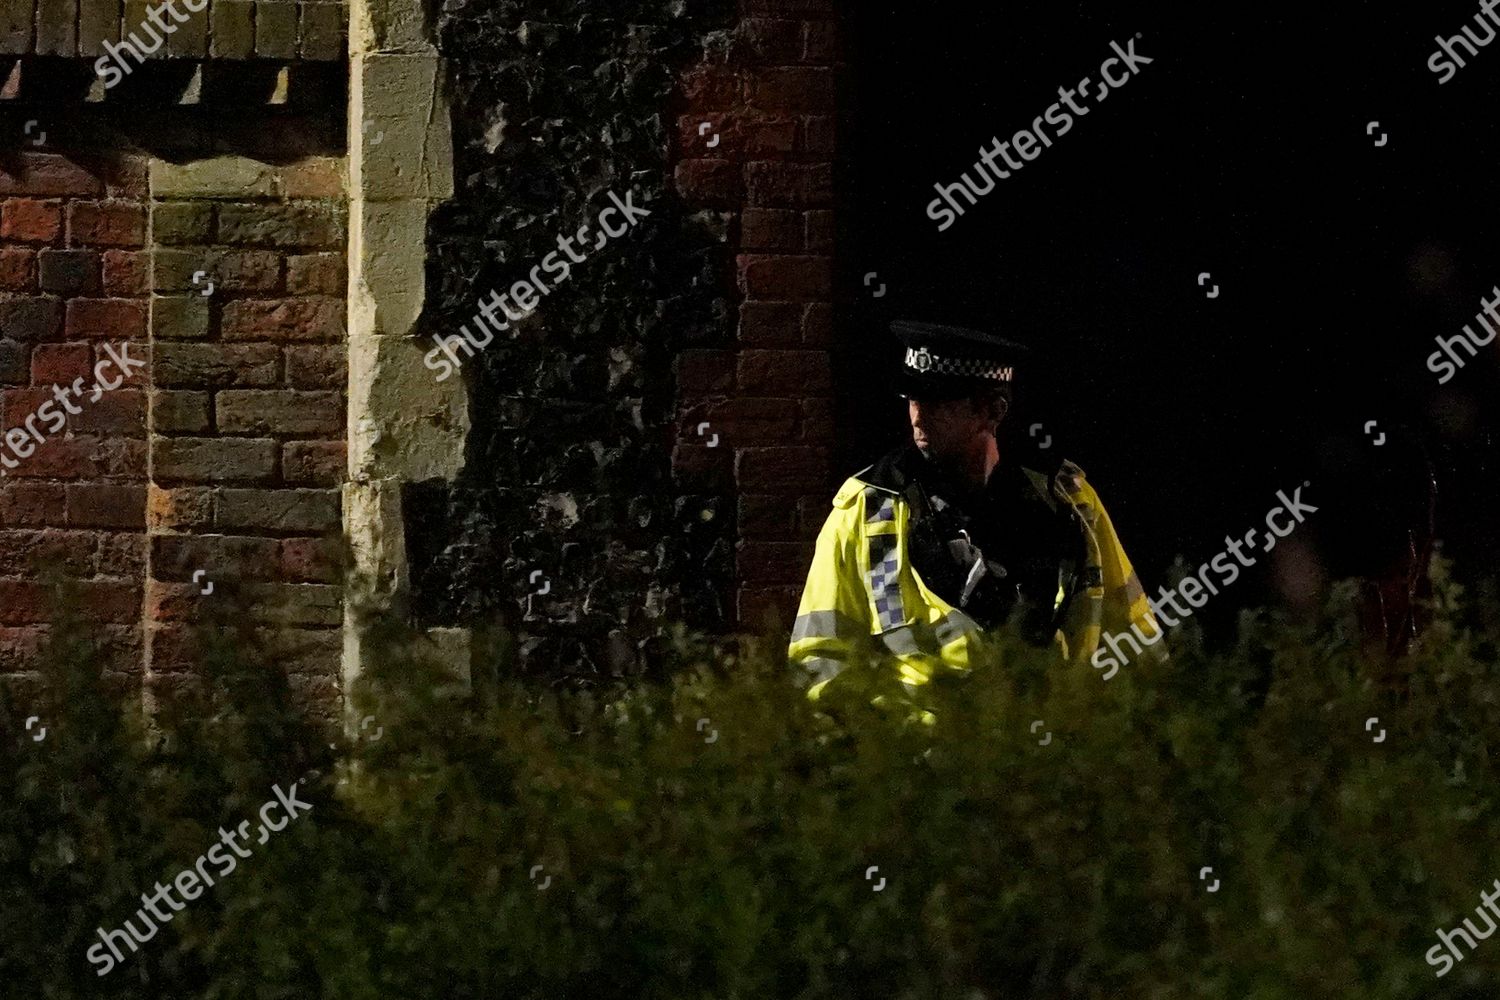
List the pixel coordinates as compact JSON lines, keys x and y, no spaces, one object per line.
{"x":944,"y":537}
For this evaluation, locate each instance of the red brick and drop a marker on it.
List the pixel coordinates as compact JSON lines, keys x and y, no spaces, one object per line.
{"x":35,"y":317}
{"x":72,"y":272}
{"x":317,"y":697}
{"x":121,"y":459}
{"x":821,"y":42}
{"x":767,"y":40}
{"x":715,"y":182}
{"x":110,"y":602}
{"x":25,"y":603}
{"x":700,"y":469}
{"x":322,"y":367}
{"x":122,"y":554}
{"x":314,"y":463}
{"x":764,"y":515}
{"x":708,"y":88}
{"x":743,"y":420}
{"x":315,"y":560}
{"x":704,"y":373}
{"x":298,"y":604}
{"x":817,"y":324}
{"x":172,"y":270}
{"x":173,"y":602}
{"x":97,"y":506}
{"x":139,"y":353}
{"x":179,"y":412}
{"x":299,"y":224}
{"x":175,"y":653}
{"x":61,"y":364}
{"x":115,"y":319}
{"x":111,"y":224}
{"x":771,"y":323}
{"x":32,"y":505}
{"x":819,"y":135}
{"x":772,"y":562}
{"x":83,"y":457}
{"x":282,"y":511}
{"x":284,"y":319}
{"x":178,"y":223}
{"x":20,"y":650}
{"x":179,"y":509}
{"x":15,"y":363}
{"x":178,"y":557}
{"x":788,"y":184}
{"x":790,"y":88}
{"x":214,"y":459}
{"x":784,"y":373}
{"x":768,"y":136}
{"x":279,"y":412}
{"x":785,"y":277}
{"x":812,"y":511}
{"x":120,"y":652}
{"x":35,"y":553}
{"x":316,"y":274}
{"x":17,"y":270}
{"x":63,"y":458}
{"x":194,"y":365}
{"x":770,"y":229}
{"x":305,"y":651}
{"x":817,"y":421}
{"x":18,"y":404}
{"x":124,"y":177}
{"x":736,"y":136}
{"x":127,"y":272}
{"x":48,"y":174}
{"x":767,"y":610}
{"x":26,"y":220}
{"x":118,"y":413}
{"x":696,"y":131}
{"x":819,"y":231}
{"x":781,"y":470}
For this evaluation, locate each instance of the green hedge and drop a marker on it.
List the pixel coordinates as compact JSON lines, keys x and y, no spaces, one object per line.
{"x":729,"y":858}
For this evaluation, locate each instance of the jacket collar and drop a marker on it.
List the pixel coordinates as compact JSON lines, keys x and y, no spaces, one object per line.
{"x":897,"y":468}
{"x":894,"y":470}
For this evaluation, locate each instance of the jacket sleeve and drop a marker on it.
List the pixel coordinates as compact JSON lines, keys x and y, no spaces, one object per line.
{"x":1125,"y":603}
{"x":833,"y":622}
{"x":1113,"y":600}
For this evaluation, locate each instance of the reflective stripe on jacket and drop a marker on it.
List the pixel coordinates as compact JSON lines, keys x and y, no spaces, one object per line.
{"x":863,"y":595}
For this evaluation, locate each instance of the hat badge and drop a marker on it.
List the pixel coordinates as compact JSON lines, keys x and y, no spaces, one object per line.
{"x":921,"y":360}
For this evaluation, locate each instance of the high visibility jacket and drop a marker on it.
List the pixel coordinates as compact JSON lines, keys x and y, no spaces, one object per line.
{"x":862,"y":594}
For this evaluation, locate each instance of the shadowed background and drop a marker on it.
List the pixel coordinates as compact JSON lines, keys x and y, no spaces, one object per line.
{"x":1241,"y":150}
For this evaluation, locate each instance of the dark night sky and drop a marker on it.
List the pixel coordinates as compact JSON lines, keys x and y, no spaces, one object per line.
{"x":1241,"y":150}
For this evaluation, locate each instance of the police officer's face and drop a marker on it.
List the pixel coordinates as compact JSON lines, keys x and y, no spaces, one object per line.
{"x":949,"y":428}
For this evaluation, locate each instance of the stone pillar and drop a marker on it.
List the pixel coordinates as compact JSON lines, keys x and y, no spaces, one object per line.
{"x":404,"y":425}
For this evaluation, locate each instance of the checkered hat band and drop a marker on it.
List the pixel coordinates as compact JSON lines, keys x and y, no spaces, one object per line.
{"x":924,"y":361}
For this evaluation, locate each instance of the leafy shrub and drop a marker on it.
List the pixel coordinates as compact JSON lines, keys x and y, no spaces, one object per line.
{"x":714,"y":836}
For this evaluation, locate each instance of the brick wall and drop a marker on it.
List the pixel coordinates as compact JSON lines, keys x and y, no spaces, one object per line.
{"x":224,"y":454}
{"x":768,"y":96}
{"x":248,"y":407}
{"x":73,"y":278}
{"x":224,"y":29}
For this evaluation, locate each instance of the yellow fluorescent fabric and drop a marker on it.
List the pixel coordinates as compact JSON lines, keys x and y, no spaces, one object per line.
{"x":1118,"y":600}
{"x":850,"y":608}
